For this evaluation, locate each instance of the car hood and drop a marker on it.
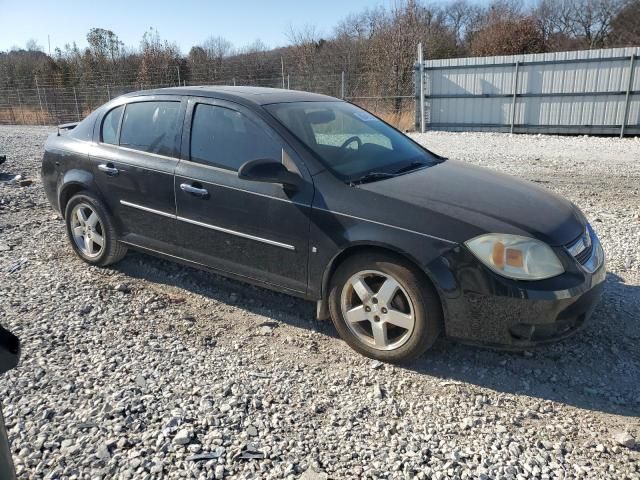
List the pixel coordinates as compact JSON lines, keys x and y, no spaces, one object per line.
{"x":480,"y":200}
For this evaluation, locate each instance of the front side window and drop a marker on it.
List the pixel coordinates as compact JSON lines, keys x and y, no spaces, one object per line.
{"x":110,"y":126}
{"x":350,"y":141}
{"x":151,"y":127}
{"x":226,"y":138}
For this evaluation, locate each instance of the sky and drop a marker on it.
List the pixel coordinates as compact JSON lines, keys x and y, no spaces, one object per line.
{"x":185,"y":22}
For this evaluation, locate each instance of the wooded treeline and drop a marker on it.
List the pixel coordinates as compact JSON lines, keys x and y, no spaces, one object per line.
{"x":375,"y":48}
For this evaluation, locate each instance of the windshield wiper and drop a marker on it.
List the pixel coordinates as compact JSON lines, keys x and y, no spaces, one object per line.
{"x":371,"y":177}
{"x":411,"y":166}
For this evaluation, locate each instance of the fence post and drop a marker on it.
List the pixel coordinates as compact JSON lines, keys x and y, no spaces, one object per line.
{"x":627,"y":97}
{"x":40,"y":101}
{"x":342,"y":86}
{"x":24,"y":121}
{"x":75,"y":97}
{"x":178,"y":70}
{"x":421,"y":86}
{"x":288,"y":84}
{"x":515,"y":96}
{"x":282,"y":69}
{"x":109,"y":92}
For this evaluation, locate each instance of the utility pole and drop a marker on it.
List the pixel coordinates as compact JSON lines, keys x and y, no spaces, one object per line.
{"x":282,"y":67}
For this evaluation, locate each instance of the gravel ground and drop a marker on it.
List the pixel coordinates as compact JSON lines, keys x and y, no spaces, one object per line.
{"x":153,"y":370}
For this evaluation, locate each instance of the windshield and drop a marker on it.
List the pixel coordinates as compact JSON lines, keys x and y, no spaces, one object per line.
{"x":351,"y":142}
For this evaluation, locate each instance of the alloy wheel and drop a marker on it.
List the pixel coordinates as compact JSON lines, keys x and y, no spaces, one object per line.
{"x":87,"y":230}
{"x":377,"y":309}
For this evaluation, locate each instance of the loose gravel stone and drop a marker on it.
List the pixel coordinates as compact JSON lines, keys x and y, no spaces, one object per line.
{"x":117,"y":375}
{"x":624,"y":439}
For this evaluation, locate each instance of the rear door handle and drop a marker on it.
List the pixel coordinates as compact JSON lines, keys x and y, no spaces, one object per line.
{"x":193,"y":190}
{"x":109,"y":169}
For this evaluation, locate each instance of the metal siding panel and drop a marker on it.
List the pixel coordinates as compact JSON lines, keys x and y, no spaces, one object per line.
{"x":494,"y":76}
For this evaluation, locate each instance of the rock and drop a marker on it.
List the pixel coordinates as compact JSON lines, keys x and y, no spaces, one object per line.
{"x":123,"y":287}
{"x":66,"y":443}
{"x":103,"y":453}
{"x":376,"y":392}
{"x":219,"y":472}
{"x":25,"y":182}
{"x":624,"y":439}
{"x":4,"y":247}
{"x":265,"y":330}
{"x":182,"y":437}
{"x":312,"y":474}
{"x":515,"y":449}
{"x":252,"y":431}
{"x":376,"y":365}
{"x":141,"y":382}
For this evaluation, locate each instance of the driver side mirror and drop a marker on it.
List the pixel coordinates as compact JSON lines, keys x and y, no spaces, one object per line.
{"x":270,"y":171}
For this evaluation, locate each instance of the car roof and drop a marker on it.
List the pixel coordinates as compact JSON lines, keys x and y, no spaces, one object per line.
{"x":251,"y":95}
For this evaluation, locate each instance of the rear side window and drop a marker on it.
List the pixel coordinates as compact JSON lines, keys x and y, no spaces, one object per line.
{"x":226,"y":139}
{"x":151,"y":127}
{"x":110,"y":126}
{"x":84,"y":130}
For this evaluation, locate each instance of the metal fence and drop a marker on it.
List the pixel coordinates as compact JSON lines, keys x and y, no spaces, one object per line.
{"x":40,"y":102}
{"x":581,"y":92}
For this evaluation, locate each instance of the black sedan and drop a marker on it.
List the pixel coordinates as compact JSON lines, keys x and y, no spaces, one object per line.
{"x":318,"y":198}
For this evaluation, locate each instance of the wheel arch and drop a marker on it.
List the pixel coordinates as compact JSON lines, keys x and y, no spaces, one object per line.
{"x":73,"y":182}
{"x":322,"y":310}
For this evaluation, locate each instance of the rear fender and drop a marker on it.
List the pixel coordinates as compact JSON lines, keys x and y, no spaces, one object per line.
{"x":71,"y":183}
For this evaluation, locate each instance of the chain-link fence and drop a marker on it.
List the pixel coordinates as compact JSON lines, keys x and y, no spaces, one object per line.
{"x":61,"y":98}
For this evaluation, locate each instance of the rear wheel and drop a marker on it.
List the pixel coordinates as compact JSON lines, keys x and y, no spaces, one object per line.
{"x":384,"y":308}
{"x":91,"y":231}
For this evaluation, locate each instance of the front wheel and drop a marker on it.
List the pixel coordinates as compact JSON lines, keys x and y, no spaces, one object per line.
{"x":384,"y":308}
{"x":91,"y":231}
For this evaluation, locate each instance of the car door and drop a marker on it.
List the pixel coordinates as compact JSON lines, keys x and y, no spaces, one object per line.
{"x":133,"y":161}
{"x":251,"y":229}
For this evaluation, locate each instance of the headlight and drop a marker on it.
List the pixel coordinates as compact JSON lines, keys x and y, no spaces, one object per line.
{"x":516,"y":257}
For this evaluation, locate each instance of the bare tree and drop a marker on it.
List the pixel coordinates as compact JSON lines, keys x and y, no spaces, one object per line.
{"x":625,"y":27}
{"x":33,"y":46}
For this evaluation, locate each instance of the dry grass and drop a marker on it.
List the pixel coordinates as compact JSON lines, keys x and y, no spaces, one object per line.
{"x":404,"y":121}
{"x":16,"y":115}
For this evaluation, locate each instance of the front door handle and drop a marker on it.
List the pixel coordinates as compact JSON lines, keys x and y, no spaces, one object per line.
{"x":109,"y":169}
{"x":193,"y":190}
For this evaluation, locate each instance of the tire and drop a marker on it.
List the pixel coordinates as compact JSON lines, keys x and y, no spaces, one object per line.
{"x":409,"y":322}
{"x":82,"y":206}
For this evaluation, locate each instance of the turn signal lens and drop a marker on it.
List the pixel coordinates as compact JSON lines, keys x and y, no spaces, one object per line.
{"x":515,"y":256}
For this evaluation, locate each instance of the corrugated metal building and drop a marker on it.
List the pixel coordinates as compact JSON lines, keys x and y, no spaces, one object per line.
{"x":581,"y":92}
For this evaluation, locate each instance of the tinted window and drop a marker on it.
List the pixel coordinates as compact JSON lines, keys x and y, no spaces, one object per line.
{"x":84,"y":130}
{"x":110,"y":126}
{"x":151,"y":127}
{"x":227,"y":139}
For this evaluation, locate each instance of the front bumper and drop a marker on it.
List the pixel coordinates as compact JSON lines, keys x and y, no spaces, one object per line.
{"x":481,"y":307}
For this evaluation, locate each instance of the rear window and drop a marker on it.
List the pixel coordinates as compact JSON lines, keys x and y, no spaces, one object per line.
{"x":151,"y":127}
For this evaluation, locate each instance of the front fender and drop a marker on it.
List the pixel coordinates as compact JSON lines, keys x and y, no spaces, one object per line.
{"x":336,"y":236}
